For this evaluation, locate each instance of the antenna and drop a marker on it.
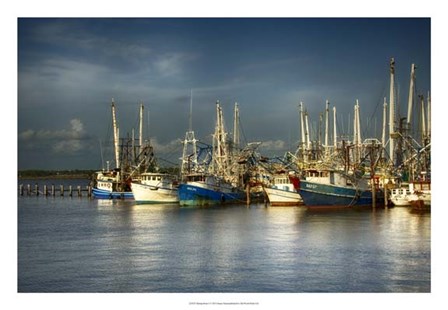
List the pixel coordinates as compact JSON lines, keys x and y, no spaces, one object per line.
{"x":190,"y":124}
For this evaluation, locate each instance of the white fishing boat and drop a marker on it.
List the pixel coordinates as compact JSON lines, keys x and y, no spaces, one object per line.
{"x":130,"y":160}
{"x":400,"y":196}
{"x":284,"y":190}
{"x":416,"y":193}
{"x":155,"y":188}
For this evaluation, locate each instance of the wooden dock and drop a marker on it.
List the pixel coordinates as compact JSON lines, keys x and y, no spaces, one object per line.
{"x":54,"y":191}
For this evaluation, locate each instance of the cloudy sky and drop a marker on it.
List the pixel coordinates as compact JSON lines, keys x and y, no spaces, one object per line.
{"x":70,"y":69}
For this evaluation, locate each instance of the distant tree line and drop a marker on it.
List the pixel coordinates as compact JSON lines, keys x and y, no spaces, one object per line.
{"x":55,"y":173}
{"x":65,"y":174}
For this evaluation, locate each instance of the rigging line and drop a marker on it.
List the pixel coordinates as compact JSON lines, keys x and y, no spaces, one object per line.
{"x":167,"y":161}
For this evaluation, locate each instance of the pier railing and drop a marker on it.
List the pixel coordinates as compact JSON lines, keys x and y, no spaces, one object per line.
{"x":53,"y":191}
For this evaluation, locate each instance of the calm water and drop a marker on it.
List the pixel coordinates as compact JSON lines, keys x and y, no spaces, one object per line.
{"x":82,"y":245}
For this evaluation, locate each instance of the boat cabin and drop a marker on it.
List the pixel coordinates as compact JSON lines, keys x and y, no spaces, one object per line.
{"x":157,"y":179}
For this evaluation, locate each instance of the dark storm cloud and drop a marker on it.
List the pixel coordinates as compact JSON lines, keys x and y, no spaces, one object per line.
{"x":72,"y":68}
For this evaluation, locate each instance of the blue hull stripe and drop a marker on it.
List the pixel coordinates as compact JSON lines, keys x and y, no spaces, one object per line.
{"x":190,"y":195}
{"x":314,"y":194}
{"x":103,"y":194}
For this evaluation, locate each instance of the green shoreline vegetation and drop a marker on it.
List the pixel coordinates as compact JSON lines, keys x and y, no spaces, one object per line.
{"x":73,"y":174}
{"x":55,"y":174}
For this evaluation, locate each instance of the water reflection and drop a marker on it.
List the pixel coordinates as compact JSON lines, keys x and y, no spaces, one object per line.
{"x":119,"y":246}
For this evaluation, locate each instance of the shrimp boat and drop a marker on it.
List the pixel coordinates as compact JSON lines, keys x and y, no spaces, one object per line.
{"x":130,"y":161}
{"x":400,"y":196}
{"x":420,"y":199}
{"x":155,"y":188}
{"x":110,"y":185}
{"x":335,"y":188}
{"x":284,"y":190}
{"x":416,"y":194}
{"x":212,"y":183}
{"x":204,"y":190}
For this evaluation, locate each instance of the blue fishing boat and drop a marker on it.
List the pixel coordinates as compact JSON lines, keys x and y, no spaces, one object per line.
{"x":108,"y":185}
{"x":335,"y":188}
{"x":202,"y":190}
{"x":215,"y":180}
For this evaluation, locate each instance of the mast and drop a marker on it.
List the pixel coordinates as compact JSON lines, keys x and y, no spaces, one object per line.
{"x":236,"y":132}
{"x":319,"y":129}
{"x":358,"y":119}
{"x":219,"y":144}
{"x":307,"y":132}
{"x":383,"y":137}
{"x":335,"y":141}
{"x":355,"y":127}
{"x":423,"y":120}
{"x":140,"y":140}
{"x":355,"y":133}
{"x":429,"y":116}
{"x":411,"y":95}
{"x":116,"y":135}
{"x":302,"y":125}
{"x":327,"y":110}
{"x":189,"y":145}
{"x":392,"y":111}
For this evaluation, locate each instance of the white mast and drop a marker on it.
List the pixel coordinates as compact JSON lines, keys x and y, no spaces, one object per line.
{"x":219,"y":144}
{"x":383,"y":138}
{"x":392,"y":111}
{"x":307,"y":132}
{"x":355,"y":127}
{"x":302,"y":125}
{"x":335,"y":141}
{"x":189,"y":145}
{"x":429,"y":116}
{"x":357,"y":131}
{"x":358,"y":119}
{"x":236,"y":132}
{"x":116,"y":135}
{"x":140,"y":137}
{"x":327,"y":110}
{"x":411,"y":95}
{"x":423,"y":120}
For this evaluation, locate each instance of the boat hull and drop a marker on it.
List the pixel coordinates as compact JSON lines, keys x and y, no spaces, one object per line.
{"x":316,"y":194}
{"x":400,"y":201}
{"x":105,"y":194}
{"x":279,"y":197}
{"x":421,"y":201}
{"x":147,"y":194}
{"x":193,"y":195}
